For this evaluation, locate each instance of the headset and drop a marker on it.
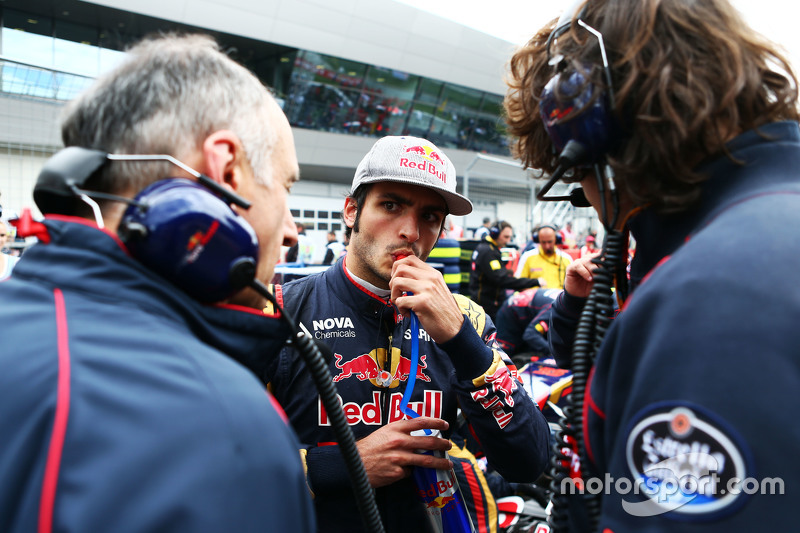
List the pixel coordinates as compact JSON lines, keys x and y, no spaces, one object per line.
{"x":182,"y":229}
{"x":576,"y":113}
{"x":577,"y":116}
{"x":188,"y":232}
{"x":535,"y":236}
{"x":494,"y":231}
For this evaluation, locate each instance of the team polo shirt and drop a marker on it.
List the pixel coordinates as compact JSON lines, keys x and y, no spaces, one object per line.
{"x":553,"y":268}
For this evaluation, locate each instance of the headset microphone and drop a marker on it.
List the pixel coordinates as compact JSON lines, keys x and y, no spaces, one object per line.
{"x":578,"y":198}
{"x":572,"y":155}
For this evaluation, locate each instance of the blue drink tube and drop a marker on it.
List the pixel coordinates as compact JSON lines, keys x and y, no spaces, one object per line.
{"x":412,"y":374}
{"x":437,"y":489}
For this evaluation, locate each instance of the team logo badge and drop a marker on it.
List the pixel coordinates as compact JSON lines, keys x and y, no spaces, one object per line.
{"x":686,"y":464}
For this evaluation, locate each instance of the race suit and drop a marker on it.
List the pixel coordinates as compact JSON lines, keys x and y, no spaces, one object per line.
{"x":696,"y":379}
{"x":489,"y":280}
{"x":124,"y":407}
{"x":371,"y":344}
{"x":519,"y":326}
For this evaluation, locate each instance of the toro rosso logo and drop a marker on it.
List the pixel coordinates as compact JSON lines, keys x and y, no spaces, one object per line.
{"x":498,"y":395}
{"x":557,"y":115}
{"x":366,"y":367}
{"x":502,"y":382}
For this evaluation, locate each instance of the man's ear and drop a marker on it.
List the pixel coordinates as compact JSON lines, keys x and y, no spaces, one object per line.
{"x":223,"y":156}
{"x":350,"y":211}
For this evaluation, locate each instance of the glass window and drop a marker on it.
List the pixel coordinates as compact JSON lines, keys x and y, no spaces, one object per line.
{"x":75,"y":49}
{"x":324,"y":91}
{"x":424,"y":108}
{"x":308,"y":214}
{"x":322,"y":225}
{"x":488,"y":133}
{"x":27,"y":38}
{"x":455,"y":116}
{"x":322,"y":214}
{"x":383,"y":105}
{"x":295,"y":213}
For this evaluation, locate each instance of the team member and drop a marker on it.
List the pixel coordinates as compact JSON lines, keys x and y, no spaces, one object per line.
{"x":483,"y":230}
{"x":126,"y":406}
{"x":700,"y":139}
{"x":590,"y":247}
{"x":546,"y":260}
{"x":360,"y":307}
{"x":7,"y":261}
{"x":333,"y":250}
{"x":489,"y":279}
{"x":521,"y":327}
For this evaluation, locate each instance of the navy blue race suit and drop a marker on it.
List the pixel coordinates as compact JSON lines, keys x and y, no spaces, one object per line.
{"x":517,"y":331}
{"x":371,"y":344}
{"x":489,"y":279}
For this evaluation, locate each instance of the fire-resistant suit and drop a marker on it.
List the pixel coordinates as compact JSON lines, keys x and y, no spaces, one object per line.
{"x":371,"y":345}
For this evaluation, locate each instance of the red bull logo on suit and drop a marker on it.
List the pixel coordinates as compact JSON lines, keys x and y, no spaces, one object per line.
{"x":371,"y":413}
{"x":370,"y":366}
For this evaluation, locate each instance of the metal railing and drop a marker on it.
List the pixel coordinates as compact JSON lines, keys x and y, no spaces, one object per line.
{"x":33,"y":81}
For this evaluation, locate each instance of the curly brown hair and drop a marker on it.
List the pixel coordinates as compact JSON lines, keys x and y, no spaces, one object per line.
{"x":688,"y":76}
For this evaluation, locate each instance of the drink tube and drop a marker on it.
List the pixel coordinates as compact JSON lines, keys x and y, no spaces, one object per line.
{"x":437,"y":489}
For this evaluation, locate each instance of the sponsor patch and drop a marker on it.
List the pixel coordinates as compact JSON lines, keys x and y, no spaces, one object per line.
{"x":475,"y":313}
{"x":687,"y":464}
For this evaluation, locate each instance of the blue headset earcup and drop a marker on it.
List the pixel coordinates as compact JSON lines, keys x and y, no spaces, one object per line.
{"x":594,"y":128}
{"x":535,"y":236}
{"x":185,"y":233}
{"x":494,"y":231}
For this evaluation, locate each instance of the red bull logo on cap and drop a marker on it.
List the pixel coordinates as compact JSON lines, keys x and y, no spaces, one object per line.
{"x":431,"y":157}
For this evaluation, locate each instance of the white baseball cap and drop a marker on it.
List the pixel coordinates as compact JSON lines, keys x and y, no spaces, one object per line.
{"x":415,"y":161}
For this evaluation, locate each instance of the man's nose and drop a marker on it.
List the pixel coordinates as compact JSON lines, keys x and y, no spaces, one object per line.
{"x":289,"y":228}
{"x":409,"y":227}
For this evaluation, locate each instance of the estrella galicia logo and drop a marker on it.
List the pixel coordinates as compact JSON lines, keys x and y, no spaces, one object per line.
{"x":684,"y":464}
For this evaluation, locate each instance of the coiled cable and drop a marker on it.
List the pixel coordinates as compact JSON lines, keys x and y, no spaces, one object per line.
{"x":594,"y":321}
{"x":317,"y":365}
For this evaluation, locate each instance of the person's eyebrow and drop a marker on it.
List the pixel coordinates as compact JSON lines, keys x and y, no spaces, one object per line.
{"x":405,"y":200}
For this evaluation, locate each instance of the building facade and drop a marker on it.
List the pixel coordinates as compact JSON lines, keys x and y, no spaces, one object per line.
{"x":345,"y":73}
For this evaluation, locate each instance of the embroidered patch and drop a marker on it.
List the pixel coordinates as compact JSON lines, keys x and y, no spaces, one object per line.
{"x":686,"y":464}
{"x":475,"y":313}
